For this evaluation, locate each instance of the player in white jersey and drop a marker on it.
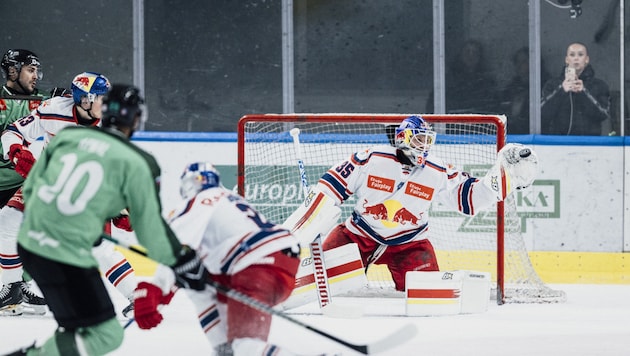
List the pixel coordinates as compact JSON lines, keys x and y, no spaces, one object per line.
{"x":83,"y":108}
{"x":241,"y":250}
{"x":394,"y":188}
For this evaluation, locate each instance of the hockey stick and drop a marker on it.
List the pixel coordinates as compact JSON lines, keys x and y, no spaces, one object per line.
{"x":319,"y":267}
{"x":397,"y":338}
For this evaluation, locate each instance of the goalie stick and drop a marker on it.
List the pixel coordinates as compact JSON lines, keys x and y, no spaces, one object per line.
{"x":317,"y":253}
{"x":400,"y":336}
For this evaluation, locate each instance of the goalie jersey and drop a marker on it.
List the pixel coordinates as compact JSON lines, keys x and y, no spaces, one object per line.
{"x":393,"y":198}
{"x":227,"y":233}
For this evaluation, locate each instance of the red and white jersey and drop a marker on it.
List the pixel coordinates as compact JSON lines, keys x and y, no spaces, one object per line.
{"x":393,"y":199}
{"x":227,"y":233}
{"x":46,"y":121}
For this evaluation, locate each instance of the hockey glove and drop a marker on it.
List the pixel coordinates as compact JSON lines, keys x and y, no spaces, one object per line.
{"x":189,"y":271}
{"x":122,"y":222}
{"x":147,"y":297}
{"x":22,"y":158}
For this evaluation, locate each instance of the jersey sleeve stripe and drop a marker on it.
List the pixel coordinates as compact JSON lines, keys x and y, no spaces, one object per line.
{"x":335,"y":185}
{"x":465,"y":196}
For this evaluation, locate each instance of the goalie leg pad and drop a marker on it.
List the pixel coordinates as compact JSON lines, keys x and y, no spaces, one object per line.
{"x":447,"y":292}
{"x":344,"y":269}
{"x":316,"y":216}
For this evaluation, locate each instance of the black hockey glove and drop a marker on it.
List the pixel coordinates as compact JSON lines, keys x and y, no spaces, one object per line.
{"x":57,"y":91}
{"x":189,"y":271}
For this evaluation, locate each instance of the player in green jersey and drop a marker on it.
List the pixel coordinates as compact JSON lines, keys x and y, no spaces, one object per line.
{"x":85,"y":176}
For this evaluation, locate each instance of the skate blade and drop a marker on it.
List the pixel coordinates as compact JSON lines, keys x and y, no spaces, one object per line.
{"x":12,"y":310}
{"x":33,"y":309}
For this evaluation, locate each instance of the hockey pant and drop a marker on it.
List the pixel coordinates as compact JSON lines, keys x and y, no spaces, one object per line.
{"x":400,"y":259}
{"x":270,"y":283}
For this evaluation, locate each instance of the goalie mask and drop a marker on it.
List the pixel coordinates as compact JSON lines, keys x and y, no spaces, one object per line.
{"x":198,"y":176}
{"x":414,"y":137}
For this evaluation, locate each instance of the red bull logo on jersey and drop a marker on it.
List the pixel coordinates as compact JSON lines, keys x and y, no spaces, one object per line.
{"x":419,"y":190}
{"x":380,"y":183}
{"x":391,"y":213}
{"x":377,"y":212}
{"x":404,"y":217}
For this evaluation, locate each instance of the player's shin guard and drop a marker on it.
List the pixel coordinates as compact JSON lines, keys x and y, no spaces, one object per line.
{"x":10,"y":263}
{"x":116,"y":268}
{"x":212,"y":315}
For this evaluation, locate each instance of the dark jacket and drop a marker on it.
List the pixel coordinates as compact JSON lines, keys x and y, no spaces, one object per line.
{"x":575,"y":113}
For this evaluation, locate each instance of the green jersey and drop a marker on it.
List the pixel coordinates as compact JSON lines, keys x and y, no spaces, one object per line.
{"x":11,"y":110}
{"x":84,"y":177}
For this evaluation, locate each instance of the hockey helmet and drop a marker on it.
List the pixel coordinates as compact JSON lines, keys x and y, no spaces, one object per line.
{"x":121,"y":105}
{"x":89,"y":84}
{"x":415,"y":137}
{"x":198,"y":176}
{"x":18,"y":58}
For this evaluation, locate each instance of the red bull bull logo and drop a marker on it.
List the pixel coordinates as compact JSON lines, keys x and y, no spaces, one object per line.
{"x":83,"y":82}
{"x":378,"y":211}
{"x":404,"y":217}
{"x":391,"y":213}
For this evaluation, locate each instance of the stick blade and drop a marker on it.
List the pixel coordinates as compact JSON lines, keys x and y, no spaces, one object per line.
{"x":405,"y":334}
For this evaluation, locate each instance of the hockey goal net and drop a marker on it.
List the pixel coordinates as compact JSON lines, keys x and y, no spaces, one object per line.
{"x":491,"y":241}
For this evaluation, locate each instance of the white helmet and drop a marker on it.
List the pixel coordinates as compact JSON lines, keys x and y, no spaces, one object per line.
{"x":198,"y":176}
{"x":415,"y":137}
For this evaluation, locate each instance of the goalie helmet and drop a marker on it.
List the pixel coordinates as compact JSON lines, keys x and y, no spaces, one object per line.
{"x":18,"y":58}
{"x":89,"y":84}
{"x":198,"y":176}
{"x":414,"y":137}
{"x":121,"y":105}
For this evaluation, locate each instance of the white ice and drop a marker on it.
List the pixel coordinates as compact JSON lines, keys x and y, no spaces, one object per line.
{"x":594,"y":321}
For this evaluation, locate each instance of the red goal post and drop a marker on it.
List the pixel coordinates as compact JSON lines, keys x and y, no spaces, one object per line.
{"x":268,"y":177}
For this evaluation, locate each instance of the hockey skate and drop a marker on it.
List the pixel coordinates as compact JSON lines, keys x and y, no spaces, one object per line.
{"x":31,"y":302}
{"x":11,"y":299}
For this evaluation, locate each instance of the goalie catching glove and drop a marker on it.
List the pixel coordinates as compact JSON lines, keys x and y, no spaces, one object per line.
{"x":518,"y":164}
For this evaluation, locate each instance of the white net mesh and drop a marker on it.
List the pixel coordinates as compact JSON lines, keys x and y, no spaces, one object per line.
{"x":270,"y":180}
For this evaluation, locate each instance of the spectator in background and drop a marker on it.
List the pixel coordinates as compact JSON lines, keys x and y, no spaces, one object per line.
{"x":470,"y":87}
{"x":515,"y":95}
{"x":575,"y":102}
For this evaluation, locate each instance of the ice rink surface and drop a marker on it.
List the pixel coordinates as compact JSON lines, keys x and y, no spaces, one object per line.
{"x":595,"y":320}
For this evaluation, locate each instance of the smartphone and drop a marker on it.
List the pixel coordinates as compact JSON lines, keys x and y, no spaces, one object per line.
{"x":569,"y":73}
